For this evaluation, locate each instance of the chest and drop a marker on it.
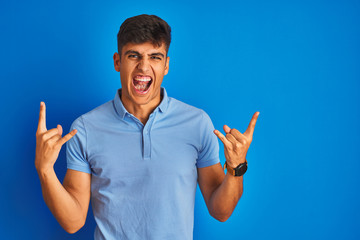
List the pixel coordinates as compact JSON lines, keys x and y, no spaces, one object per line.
{"x":133,"y":152}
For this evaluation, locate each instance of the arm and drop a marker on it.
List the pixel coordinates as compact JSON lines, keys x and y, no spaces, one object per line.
{"x":68,"y":202}
{"x":222,"y":192}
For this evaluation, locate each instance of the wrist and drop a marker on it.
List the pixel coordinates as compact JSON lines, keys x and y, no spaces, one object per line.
{"x":44,"y":171}
{"x":237,"y":171}
{"x":230,"y":176}
{"x":235,"y":164}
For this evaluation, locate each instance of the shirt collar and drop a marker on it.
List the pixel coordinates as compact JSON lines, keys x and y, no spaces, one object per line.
{"x":164,"y":102}
{"x":121,"y":111}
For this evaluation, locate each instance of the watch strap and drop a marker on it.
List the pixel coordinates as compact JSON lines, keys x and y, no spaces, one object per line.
{"x":233,"y":171}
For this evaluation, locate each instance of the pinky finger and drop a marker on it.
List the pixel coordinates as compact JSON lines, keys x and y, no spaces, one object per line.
{"x":67,"y":137}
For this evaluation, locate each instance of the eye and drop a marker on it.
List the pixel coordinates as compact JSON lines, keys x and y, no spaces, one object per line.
{"x":133,"y":56}
{"x":154,"y":57}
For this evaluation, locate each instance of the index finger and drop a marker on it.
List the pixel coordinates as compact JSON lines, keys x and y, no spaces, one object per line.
{"x":250,"y":130}
{"x":222,"y":138}
{"x":42,"y":118}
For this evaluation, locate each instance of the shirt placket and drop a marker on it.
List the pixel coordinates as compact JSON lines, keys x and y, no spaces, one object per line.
{"x":146,"y":136}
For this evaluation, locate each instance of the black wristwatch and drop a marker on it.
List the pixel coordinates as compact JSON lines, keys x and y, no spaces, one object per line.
{"x":238,"y":171}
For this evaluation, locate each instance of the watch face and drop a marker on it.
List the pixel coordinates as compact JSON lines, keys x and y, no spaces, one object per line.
{"x":240,"y":170}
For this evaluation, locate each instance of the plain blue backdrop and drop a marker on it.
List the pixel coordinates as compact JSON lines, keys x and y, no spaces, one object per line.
{"x":297,"y":62}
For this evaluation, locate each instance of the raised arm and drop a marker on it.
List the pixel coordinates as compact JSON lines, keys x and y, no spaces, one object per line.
{"x":223,"y":191}
{"x":69,"y":201}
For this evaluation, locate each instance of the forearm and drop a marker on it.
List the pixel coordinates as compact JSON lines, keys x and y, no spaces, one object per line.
{"x":225,"y":198}
{"x":65,"y":208}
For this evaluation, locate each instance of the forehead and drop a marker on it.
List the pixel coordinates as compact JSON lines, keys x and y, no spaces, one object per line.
{"x":144,"y":48}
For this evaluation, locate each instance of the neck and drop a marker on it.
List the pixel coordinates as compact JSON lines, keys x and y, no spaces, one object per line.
{"x":141,"y":112}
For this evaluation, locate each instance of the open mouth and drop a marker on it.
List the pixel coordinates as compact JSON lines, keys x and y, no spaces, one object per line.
{"x":142,"y":84}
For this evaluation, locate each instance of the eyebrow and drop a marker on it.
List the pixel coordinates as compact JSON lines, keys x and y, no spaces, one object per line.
{"x":137,"y":53}
{"x":157,"y":54}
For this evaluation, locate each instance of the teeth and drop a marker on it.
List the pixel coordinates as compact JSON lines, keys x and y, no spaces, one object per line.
{"x":141,"y":83}
{"x":143,"y":79}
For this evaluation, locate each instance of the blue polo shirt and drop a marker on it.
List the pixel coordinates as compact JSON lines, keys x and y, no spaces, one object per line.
{"x":143,"y":177}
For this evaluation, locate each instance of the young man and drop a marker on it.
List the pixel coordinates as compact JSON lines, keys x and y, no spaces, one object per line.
{"x":141,"y":155}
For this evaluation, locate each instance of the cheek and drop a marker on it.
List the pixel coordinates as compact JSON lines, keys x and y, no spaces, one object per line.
{"x":124,"y":78}
{"x":160,"y":71}
{"x":125,"y":72}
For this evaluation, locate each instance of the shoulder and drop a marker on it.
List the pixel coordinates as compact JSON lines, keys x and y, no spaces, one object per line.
{"x":99,"y":114}
{"x":179,"y":107}
{"x":183,"y":114}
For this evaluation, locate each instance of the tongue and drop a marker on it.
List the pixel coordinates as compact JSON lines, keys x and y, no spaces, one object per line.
{"x":141,"y":86}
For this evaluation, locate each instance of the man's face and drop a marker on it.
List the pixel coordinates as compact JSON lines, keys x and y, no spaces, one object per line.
{"x":142,"y":68}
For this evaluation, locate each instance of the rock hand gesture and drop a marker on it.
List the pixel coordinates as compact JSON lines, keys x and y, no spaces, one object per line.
{"x":236,"y":144}
{"x":48,"y":142}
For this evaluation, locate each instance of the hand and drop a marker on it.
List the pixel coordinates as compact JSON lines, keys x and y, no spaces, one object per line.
{"x":48,"y":143}
{"x":237,"y":144}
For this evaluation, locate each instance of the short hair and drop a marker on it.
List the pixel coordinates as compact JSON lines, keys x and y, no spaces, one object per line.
{"x":144,"y":28}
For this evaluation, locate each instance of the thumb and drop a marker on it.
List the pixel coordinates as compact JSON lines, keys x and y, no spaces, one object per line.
{"x":67,"y":137}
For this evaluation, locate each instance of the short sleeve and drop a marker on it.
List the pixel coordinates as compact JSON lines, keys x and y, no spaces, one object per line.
{"x":209,"y":152}
{"x":76,"y":148}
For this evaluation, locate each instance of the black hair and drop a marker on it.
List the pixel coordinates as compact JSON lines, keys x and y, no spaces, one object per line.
{"x":144,"y":28}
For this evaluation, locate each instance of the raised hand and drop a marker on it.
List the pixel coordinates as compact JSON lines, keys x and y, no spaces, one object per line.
{"x":237,"y":144}
{"x":48,"y":142}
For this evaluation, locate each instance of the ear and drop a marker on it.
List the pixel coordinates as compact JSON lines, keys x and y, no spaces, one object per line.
{"x":116,"y":58}
{"x":167,"y":65}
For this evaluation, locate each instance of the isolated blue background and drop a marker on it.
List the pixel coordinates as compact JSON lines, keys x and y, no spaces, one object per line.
{"x":297,"y":62}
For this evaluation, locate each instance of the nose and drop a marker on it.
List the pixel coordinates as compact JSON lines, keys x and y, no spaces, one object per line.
{"x":144,"y":65}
